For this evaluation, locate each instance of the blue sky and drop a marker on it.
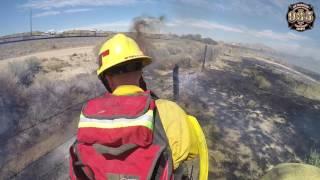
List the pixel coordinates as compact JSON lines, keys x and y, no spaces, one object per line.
{"x":245,"y":21}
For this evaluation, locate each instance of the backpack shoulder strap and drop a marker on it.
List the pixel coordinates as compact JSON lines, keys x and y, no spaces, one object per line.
{"x":77,"y":171}
{"x":154,"y":96}
{"x":164,"y":167}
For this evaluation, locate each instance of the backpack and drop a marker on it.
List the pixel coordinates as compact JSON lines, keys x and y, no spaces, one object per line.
{"x":121,"y":137}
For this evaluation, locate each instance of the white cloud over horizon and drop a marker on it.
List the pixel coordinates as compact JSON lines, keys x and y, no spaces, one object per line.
{"x":49,"y":4}
{"x":46,"y":13}
{"x":296,"y":49}
{"x":203,"y":24}
{"x":211,"y":25}
{"x":256,"y":7}
{"x":116,"y":25}
{"x":208,"y":25}
{"x":57,"y":12}
{"x":77,"y":10}
{"x":267,"y":33}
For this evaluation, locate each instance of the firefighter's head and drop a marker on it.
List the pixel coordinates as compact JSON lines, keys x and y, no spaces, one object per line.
{"x":121,"y":62}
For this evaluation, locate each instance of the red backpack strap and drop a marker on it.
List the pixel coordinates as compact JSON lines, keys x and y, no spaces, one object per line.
{"x":78,"y":170}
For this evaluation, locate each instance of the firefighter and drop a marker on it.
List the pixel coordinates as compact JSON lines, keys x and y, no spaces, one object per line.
{"x":137,"y":134}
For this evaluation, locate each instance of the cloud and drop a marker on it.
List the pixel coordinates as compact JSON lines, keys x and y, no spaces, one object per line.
{"x":212,"y":26}
{"x":49,"y":4}
{"x":280,"y":3}
{"x":251,"y":7}
{"x":261,"y":34}
{"x":54,"y":13}
{"x":111,"y":26}
{"x":203,"y":24}
{"x":297,"y":49}
{"x":46,"y":13}
{"x":278,"y":36}
{"x":77,"y":10}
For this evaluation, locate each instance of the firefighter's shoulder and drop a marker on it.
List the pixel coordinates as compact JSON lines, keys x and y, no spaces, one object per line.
{"x":174,"y":121}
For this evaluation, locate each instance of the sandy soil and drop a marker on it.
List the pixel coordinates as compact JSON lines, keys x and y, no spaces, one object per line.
{"x":61,"y":63}
{"x":60,"y":53}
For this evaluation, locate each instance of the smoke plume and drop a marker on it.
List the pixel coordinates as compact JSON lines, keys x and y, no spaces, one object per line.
{"x":144,"y":25}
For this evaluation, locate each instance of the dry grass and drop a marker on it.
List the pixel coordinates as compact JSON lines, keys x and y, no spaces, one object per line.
{"x":23,"y":48}
{"x":258,"y":77}
{"x":25,"y":71}
{"x":262,"y":82}
{"x":28,"y":107}
{"x":12,"y":103}
{"x":57,"y":65}
{"x":24,"y":102}
{"x":311,"y":91}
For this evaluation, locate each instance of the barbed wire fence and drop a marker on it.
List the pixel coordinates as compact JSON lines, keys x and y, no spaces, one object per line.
{"x":50,"y":117}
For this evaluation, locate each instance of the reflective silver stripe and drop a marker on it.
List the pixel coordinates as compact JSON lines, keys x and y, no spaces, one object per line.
{"x":144,"y":120}
{"x":148,"y":116}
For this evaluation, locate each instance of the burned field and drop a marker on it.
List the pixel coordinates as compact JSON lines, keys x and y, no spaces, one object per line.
{"x":254,"y":115}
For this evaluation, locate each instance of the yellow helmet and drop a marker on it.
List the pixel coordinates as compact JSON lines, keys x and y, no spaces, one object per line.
{"x":119,"y":49}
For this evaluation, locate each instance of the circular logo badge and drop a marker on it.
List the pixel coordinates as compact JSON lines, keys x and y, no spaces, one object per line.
{"x":301,"y":16}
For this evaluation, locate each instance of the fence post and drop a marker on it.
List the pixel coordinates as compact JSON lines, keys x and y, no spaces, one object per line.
{"x":204,"y":58}
{"x":175,"y":76}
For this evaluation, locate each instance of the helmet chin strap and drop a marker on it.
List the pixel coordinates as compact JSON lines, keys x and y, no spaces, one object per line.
{"x":105,"y":83}
{"x":142,"y":84}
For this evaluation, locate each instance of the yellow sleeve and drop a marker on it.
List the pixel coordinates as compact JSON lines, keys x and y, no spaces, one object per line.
{"x":175,"y":124}
{"x":185,"y":136}
{"x":199,"y":146}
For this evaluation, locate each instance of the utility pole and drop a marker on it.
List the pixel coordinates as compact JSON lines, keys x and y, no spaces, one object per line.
{"x":30,"y":21}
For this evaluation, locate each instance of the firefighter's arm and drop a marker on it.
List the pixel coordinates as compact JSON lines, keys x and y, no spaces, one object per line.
{"x":174,"y":122}
{"x":185,"y":136}
{"x":198,"y":146}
